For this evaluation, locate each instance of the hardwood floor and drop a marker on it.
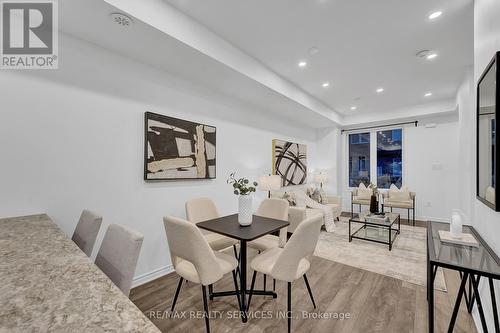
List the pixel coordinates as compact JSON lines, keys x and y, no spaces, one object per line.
{"x":374,"y":303}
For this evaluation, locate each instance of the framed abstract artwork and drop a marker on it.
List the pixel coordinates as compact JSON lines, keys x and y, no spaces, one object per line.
{"x":178,"y":149}
{"x":290,"y":162}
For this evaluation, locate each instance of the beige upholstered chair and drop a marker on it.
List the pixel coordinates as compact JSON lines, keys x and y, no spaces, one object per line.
{"x":392,"y":200}
{"x":204,"y":209}
{"x":358,"y":199}
{"x":86,"y":231}
{"x":118,"y":255}
{"x":291,"y":262}
{"x":274,"y":209}
{"x":194,"y":260}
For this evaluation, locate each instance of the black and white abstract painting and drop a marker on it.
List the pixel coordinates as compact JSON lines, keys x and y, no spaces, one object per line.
{"x":178,"y":149}
{"x":290,"y":162}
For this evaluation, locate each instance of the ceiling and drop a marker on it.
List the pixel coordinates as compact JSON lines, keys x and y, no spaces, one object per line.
{"x":363,"y":45}
{"x":203,"y":74}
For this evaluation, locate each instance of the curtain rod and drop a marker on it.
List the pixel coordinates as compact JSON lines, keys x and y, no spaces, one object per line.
{"x":380,"y":126}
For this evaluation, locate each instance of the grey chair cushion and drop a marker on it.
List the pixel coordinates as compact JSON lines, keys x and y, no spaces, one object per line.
{"x":118,"y":255}
{"x":86,"y":231}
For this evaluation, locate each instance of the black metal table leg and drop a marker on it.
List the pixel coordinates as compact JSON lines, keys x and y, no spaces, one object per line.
{"x":243,"y":279}
{"x":494,"y":305}
{"x":475,"y":284}
{"x":430,"y":295}
{"x":457,"y":303}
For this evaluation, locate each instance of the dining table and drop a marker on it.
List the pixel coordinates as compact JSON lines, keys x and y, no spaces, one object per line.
{"x":230,"y":227}
{"x":47,"y":284}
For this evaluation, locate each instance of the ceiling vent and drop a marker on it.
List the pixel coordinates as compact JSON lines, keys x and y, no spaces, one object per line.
{"x":422,"y":54}
{"x":121,"y":19}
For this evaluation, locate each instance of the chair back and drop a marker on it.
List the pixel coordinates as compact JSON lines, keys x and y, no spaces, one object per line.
{"x":118,"y":255}
{"x":201,"y":209}
{"x":86,"y":231}
{"x":186,"y":242}
{"x":300,"y":246}
{"x":275,"y":209}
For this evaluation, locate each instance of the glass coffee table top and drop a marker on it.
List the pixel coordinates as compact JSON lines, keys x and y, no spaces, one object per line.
{"x":362,"y":218}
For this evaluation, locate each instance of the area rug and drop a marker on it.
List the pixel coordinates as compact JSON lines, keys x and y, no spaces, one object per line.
{"x":406,"y":261}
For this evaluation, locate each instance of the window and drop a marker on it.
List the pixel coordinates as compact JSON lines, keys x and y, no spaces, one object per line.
{"x":359,"y":159}
{"x":386,"y":161}
{"x":389,"y":158}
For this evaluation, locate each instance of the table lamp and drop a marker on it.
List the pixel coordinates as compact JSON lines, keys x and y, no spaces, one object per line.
{"x":321,"y":178}
{"x":270,"y":183}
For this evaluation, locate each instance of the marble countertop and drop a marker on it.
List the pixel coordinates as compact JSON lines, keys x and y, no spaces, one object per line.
{"x":47,"y":284}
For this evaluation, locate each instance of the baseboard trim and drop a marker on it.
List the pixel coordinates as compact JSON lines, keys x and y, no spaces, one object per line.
{"x":147,"y":277}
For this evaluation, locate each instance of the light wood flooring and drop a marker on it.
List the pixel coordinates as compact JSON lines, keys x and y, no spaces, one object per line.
{"x":375,"y":303}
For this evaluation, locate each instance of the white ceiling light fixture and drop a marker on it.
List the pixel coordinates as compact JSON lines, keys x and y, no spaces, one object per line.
{"x":121,"y":19}
{"x":429,"y":94}
{"x":380,"y":90}
{"x":435,"y":15}
{"x":325,"y":85}
{"x":302,"y":64}
{"x":353,"y":108}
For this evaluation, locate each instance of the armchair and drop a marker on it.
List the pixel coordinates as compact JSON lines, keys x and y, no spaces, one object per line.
{"x":358,"y":200}
{"x":397,"y":202}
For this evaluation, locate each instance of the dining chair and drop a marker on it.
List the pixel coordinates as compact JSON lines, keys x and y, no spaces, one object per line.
{"x":118,"y":255}
{"x":204,"y":209}
{"x":86,"y":231}
{"x":291,"y":262}
{"x":195,"y":261}
{"x":274,"y":209}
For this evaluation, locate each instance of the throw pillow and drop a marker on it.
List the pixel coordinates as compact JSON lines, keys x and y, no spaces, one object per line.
{"x":316,"y":195}
{"x":364,"y":193}
{"x":399,"y":194}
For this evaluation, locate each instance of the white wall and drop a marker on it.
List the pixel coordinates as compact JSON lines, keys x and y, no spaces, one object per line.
{"x":487,"y":222}
{"x":73,"y":139}
{"x":430,"y":169}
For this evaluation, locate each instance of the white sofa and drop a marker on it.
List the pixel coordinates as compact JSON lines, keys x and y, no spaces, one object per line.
{"x":298,"y":214}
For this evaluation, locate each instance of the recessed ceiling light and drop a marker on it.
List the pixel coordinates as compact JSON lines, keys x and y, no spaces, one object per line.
{"x":302,"y":64}
{"x":325,"y":84}
{"x":429,"y":94}
{"x":379,"y":90}
{"x":431,"y":56}
{"x":121,"y":19}
{"x":435,"y":15}
{"x":353,"y":108}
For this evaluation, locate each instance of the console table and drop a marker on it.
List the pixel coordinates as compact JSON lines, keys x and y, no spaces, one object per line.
{"x":472,"y":263}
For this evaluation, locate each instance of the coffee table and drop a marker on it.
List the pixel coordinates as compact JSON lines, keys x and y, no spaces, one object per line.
{"x":378,"y":231}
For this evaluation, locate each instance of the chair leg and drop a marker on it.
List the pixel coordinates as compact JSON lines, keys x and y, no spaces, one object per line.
{"x":237,"y":289}
{"x":251,"y":289}
{"x":309,"y":290}
{"x":289,"y":307}
{"x":274,"y":284}
{"x":409,"y":221}
{"x":210,"y":290}
{"x":205,"y":308}
{"x":265,"y":276}
{"x":177,"y":294}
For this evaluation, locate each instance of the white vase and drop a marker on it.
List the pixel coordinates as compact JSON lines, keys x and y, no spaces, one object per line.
{"x":245,"y":210}
{"x":456,"y":225}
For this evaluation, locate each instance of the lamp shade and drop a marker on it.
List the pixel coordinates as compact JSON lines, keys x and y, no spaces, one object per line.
{"x":321,"y":178}
{"x":270,"y":183}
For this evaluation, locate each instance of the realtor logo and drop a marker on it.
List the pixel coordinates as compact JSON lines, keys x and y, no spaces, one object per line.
{"x":29,"y":36}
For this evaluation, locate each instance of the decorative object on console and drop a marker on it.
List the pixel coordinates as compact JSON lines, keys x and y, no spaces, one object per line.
{"x":456,"y":224}
{"x":463,"y":239}
{"x":487,"y":138}
{"x":290,"y":162}
{"x":270,"y":183}
{"x":242,"y":188}
{"x":178,"y":149}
